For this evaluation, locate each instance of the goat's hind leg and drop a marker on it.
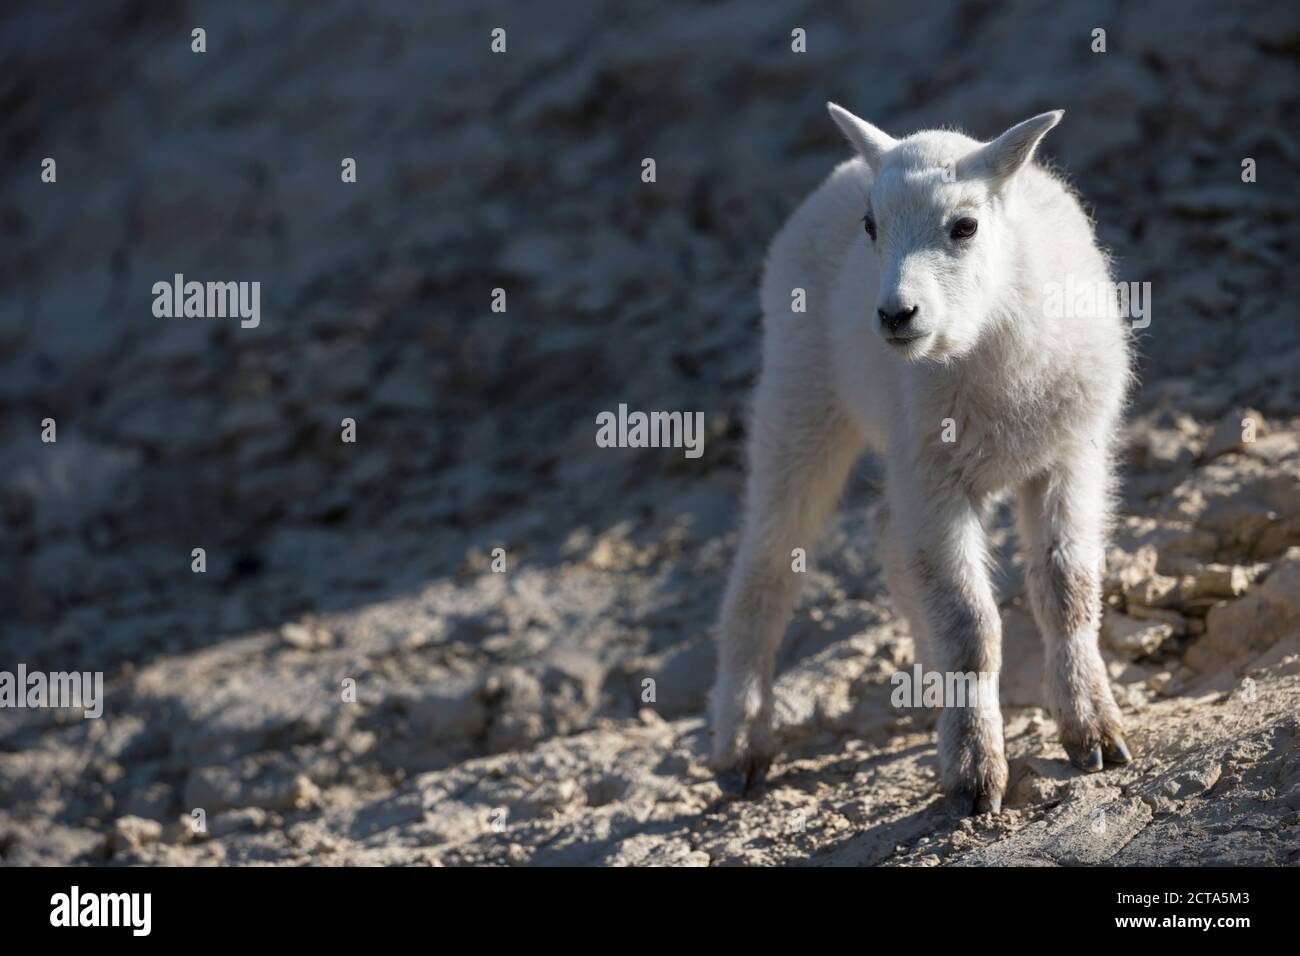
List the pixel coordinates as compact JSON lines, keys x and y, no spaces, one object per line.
{"x":907,"y":599}
{"x":802,"y":446}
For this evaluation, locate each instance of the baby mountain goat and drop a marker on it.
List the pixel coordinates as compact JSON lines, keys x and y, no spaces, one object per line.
{"x":927,"y":339}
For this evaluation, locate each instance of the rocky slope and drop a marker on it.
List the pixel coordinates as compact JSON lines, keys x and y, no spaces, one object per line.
{"x":500,"y":717}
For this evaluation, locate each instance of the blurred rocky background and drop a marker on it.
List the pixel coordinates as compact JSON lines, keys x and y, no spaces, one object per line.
{"x":516,"y":698}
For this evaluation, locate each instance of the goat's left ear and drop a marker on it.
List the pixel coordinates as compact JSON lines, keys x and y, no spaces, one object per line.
{"x":870,"y":142}
{"x":1004,"y":156}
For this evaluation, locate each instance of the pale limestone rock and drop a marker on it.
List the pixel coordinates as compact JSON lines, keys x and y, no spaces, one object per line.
{"x":1228,"y":433}
{"x":1131,"y":638}
{"x":1237,"y":631}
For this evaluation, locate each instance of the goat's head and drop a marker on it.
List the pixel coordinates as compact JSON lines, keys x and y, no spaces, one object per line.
{"x":940,"y":221}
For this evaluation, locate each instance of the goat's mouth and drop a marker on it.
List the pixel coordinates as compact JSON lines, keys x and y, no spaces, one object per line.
{"x":909,"y":346}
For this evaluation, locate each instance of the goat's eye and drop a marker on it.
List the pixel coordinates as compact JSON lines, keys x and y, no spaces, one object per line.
{"x":964,"y":228}
{"x":870,"y":225}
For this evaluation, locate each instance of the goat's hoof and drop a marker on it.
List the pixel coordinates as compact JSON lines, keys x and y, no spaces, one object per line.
{"x":1116,"y":751}
{"x":1088,"y":759}
{"x":1092,"y":757}
{"x":971,"y":803}
{"x":988,"y":803}
{"x":748,"y":775}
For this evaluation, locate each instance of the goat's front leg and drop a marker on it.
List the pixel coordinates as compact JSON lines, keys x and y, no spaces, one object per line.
{"x":947,"y":560}
{"x":1062,"y":520}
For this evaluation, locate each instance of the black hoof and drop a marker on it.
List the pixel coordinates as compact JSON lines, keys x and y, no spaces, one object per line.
{"x":745,"y":778}
{"x":970,"y":803}
{"x":1089,"y":761}
{"x":1117,"y":751}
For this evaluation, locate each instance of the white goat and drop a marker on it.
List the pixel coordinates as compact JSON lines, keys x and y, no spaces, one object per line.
{"x":926,"y":320}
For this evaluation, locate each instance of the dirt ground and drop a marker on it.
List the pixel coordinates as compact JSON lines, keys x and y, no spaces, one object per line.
{"x":500,"y":718}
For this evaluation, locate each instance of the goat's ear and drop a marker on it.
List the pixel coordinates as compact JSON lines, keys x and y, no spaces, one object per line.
{"x":870,"y":142}
{"x":1004,"y":156}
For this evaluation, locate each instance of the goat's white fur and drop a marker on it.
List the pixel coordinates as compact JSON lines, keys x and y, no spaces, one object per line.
{"x":1036,"y":402}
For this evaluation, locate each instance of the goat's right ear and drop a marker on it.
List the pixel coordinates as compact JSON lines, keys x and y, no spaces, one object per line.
{"x":870,"y":142}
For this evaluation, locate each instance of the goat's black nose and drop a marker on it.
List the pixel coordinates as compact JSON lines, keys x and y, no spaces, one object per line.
{"x":896,"y":320}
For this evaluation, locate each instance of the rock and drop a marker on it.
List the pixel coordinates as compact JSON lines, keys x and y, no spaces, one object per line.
{"x":1158,"y":590}
{"x":517,"y":855}
{"x":303,"y":793}
{"x":518,"y":705}
{"x":244,"y":820}
{"x":551,"y":799}
{"x":614,"y":552}
{"x":1230,"y":433}
{"x":1192,"y":782}
{"x":1164,"y":449}
{"x":1131,"y":638}
{"x":133,"y":833}
{"x":1124,"y":569}
{"x":1177,"y":623}
{"x":214,"y":789}
{"x":306,"y":637}
{"x":1237,"y":631}
{"x":1277,"y":537}
{"x":1035,"y":781}
{"x":1257,"y":514}
{"x":1217,"y":581}
{"x":1096,"y":836}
